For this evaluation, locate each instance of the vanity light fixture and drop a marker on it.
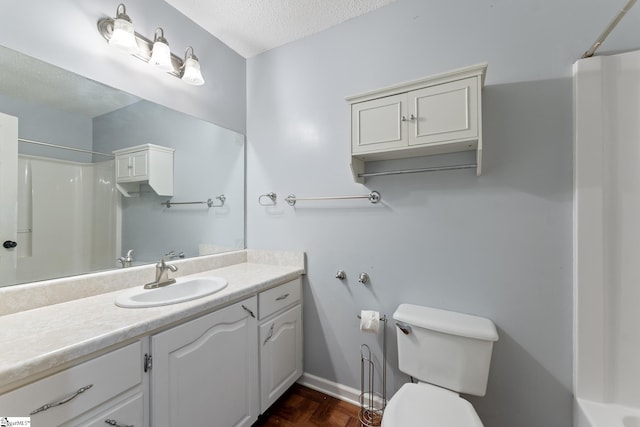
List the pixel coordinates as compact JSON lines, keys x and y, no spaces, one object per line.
{"x":122,"y":36}
{"x":160,"y":53}
{"x":191,"y":69}
{"x":119,"y":32}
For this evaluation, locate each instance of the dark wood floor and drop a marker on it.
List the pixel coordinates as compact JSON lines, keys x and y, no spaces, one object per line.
{"x":303,"y":407}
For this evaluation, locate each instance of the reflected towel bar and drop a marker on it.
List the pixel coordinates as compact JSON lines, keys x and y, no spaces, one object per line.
{"x":271,"y":196}
{"x":64,"y":147}
{"x":374,"y":197}
{"x":209,"y":202}
{"x":432,"y":169}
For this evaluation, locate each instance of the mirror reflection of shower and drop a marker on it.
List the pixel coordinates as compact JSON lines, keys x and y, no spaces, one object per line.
{"x":67,"y":211}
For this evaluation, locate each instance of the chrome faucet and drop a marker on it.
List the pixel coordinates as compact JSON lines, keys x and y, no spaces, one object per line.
{"x":126,"y":261}
{"x":162,"y":272}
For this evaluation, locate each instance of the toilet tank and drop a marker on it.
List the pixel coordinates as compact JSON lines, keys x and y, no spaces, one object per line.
{"x":445,"y":348}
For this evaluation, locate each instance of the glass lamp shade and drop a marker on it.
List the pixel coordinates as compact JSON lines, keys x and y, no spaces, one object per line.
{"x":123,"y":36}
{"x":161,"y":56}
{"x":191,"y":73}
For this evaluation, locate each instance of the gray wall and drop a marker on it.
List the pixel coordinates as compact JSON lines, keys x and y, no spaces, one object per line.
{"x":42,"y":123}
{"x":64,"y":33}
{"x":208,"y":161}
{"x":499,"y":245}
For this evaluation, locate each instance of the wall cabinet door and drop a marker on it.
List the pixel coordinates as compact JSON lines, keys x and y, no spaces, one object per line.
{"x":444,"y":112}
{"x":205,"y":372}
{"x":377,"y":124}
{"x":132,"y":166}
{"x":280,"y":355}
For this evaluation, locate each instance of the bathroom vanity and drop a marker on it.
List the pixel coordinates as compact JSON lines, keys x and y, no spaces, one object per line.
{"x":221,"y":359}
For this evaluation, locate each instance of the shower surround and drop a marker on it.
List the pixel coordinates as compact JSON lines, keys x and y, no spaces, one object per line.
{"x":607,"y":241}
{"x":67,"y":218}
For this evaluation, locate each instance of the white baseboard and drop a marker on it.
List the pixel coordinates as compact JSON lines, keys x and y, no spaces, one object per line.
{"x":339,"y":391}
{"x":333,"y":389}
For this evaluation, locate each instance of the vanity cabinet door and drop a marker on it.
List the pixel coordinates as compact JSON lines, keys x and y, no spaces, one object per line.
{"x":205,"y":372}
{"x":280,"y":355}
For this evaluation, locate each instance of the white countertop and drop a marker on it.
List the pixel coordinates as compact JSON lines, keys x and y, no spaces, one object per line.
{"x":40,"y":341}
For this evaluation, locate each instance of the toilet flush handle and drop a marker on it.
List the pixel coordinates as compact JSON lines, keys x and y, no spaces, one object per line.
{"x":406,"y":329}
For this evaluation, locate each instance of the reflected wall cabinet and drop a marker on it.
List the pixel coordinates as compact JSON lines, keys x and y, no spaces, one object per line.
{"x":434,"y":115}
{"x":144,"y":164}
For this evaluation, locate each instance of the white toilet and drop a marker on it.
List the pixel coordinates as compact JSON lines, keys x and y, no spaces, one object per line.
{"x":448,"y":353}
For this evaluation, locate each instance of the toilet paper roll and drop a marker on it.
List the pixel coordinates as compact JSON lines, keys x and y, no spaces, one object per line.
{"x":369,"y":321}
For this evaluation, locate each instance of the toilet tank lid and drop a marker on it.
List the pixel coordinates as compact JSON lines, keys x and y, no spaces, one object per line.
{"x":448,"y":322}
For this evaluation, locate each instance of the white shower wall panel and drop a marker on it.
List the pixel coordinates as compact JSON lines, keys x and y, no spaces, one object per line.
{"x":62,"y":220}
{"x":607,"y":229}
{"x":622,"y":225}
{"x":105,"y":239}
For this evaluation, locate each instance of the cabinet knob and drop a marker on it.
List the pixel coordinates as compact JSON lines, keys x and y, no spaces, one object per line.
{"x":411,"y":117}
{"x":9,"y":244}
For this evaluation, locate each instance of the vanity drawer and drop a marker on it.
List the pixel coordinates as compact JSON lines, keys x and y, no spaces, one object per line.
{"x":81,"y":388}
{"x":126,"y":412}
{"x":274,"y":299}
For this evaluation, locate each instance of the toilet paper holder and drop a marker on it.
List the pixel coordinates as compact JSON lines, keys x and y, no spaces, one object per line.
{"x":372,"y":404}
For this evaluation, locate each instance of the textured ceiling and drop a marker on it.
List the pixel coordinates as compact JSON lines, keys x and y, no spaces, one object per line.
{"x":29,"y":79}
{"x":253,"y":26}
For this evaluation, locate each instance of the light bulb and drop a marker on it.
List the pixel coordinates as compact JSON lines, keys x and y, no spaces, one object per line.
{"x":161,"y":54}
{"x":123,"y":36}
{"x":191,"y":69}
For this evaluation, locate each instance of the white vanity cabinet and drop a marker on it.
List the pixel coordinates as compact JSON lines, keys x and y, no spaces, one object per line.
{"x":435,"y":115}
{"x":205,"y":371}
{"x":280,"y":340}
{"x":110,"y":386}
{"x":222,"y":368}
{"x":147,"y":163}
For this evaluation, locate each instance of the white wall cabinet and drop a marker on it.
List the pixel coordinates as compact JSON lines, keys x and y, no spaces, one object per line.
{"x":205,"y":372}
{"x":435,"y":115}
{"x":81,"y":395}
{"x":147,"y":163}
{"x":280,"y":341}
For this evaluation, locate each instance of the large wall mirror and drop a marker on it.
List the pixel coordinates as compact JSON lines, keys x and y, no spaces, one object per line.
{"x":71,"y":218}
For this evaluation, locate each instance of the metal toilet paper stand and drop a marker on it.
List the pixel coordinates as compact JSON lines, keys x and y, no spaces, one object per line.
{"x":372,"y":404}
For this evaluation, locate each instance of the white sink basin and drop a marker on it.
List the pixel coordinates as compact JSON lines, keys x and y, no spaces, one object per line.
{"x":184,"y":289}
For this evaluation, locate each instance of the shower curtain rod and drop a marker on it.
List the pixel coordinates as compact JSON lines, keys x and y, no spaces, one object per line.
{"x":605,"y":33}
{"x":63,"y":147}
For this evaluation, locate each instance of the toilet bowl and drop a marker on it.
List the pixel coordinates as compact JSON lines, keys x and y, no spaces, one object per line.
{"x":448,"y":353}
{"x":423,"y":404}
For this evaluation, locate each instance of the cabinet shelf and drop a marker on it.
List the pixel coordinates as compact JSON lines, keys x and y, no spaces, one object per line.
{"x":433,"y":115}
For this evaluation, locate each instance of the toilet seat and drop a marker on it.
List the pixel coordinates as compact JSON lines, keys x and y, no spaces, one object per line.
{"x":416,"y":405}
